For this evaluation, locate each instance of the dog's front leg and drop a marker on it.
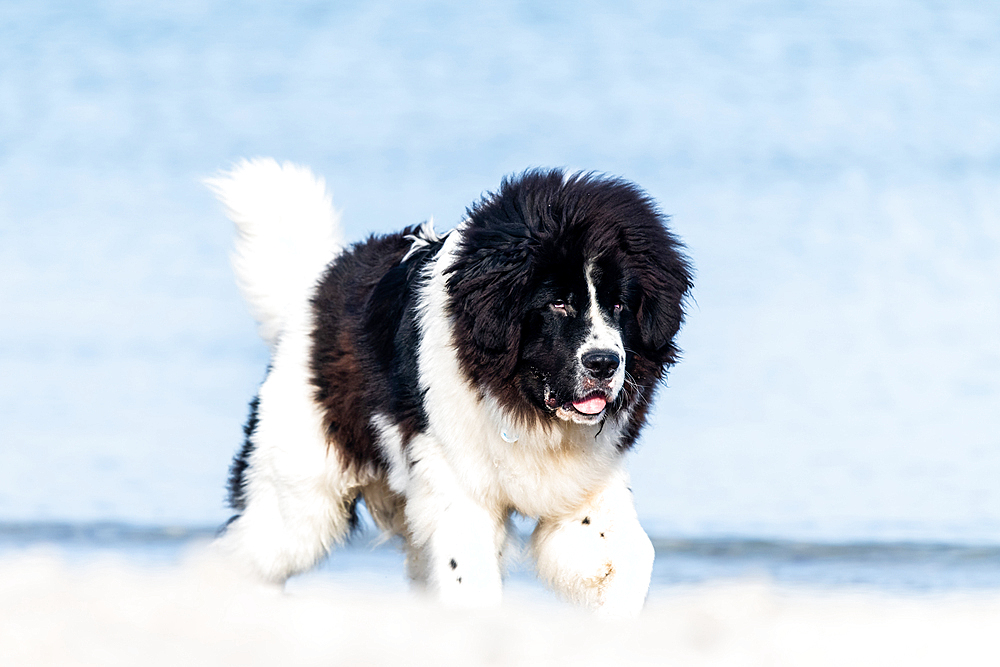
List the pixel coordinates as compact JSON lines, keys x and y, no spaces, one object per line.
{"x":456,"y":542}
{"x":598,"y":556}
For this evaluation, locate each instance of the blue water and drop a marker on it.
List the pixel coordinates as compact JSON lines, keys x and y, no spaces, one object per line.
{"x":901,"y":568}
{"x":833,"y":168}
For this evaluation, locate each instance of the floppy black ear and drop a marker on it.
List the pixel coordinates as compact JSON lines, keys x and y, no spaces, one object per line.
{"x":665,"y":281}
{"x":486,"y":288}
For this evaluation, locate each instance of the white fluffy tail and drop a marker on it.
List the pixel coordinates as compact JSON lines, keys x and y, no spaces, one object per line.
{"x":288,"y":233}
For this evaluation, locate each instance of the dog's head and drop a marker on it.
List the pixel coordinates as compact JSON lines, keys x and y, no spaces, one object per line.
{"x":566,"y":293}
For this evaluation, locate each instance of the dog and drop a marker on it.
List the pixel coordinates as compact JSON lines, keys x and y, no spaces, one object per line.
{"x":451,"y":380}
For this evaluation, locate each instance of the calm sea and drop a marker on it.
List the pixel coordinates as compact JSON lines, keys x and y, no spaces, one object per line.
{"x":891,"y":567}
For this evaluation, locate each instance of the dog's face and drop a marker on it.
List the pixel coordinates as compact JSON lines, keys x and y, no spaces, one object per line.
{"x":573,"y":351}
{"x":566,"y":294}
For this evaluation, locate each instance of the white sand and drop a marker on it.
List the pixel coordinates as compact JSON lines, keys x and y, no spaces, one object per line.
{"x":112,"y":613}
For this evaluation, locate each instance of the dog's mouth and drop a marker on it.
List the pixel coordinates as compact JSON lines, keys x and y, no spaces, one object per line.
{"x":592,"y":405}
{"x":587,"y":410}
{"x":590,"y":408}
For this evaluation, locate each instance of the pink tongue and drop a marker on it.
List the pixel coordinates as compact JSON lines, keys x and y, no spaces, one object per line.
{"x":591,"y":406}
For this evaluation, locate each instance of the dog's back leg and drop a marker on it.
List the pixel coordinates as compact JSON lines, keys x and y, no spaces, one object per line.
{"x":295,"y":496}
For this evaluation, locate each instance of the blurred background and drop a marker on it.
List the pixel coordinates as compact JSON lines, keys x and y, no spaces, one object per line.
{"x":834,"y":169}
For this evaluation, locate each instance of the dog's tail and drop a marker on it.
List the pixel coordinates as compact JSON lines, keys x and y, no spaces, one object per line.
{"x":287,"y":233}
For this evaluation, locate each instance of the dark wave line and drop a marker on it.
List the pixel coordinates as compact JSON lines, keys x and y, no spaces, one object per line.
{"x":110,"y":533}
{"x":790,"y":550}
{"x":103,"y":532}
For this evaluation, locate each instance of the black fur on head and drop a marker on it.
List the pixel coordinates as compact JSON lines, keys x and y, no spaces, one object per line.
{"x":530,"y":242}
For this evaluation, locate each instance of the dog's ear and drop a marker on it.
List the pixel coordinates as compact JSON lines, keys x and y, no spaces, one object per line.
{"x":487,"y":287}
{"x":665,"y":281}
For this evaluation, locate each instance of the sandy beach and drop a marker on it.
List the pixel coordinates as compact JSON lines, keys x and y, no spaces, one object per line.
{"x":55,"y":611}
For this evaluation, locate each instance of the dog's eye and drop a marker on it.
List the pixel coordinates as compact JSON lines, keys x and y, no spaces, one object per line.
{"x":562,"y":307}
{"x":617,"y":308}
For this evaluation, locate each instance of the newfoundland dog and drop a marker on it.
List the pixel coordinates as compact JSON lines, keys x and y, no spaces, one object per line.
{"x":451,"y":380}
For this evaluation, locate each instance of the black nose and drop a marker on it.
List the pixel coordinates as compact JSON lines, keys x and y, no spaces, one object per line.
{"x":602,"y":364}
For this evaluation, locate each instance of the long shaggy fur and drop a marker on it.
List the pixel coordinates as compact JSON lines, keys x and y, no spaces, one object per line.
{"x":287,"y":233}
{"x":451,"y":380}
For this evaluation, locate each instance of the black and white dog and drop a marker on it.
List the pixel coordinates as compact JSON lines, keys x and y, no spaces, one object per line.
{"x":506,"y":366}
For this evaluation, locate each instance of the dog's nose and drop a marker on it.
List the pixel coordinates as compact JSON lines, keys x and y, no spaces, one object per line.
{"x":601,"y":364}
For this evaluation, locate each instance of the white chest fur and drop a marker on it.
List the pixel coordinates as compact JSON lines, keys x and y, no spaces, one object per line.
{"x":548,"y":469}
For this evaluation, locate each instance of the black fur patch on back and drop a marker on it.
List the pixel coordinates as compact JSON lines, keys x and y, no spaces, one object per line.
{"x":390,"y":339}
{"x":236,"y":484}
{"x":365,"y":345}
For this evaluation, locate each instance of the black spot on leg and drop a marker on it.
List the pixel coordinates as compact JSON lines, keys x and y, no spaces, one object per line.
{"x":453,"y":564}
{"x":602,"y":534}
{"x":586,"y":520}
{"x":460,"y":580}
